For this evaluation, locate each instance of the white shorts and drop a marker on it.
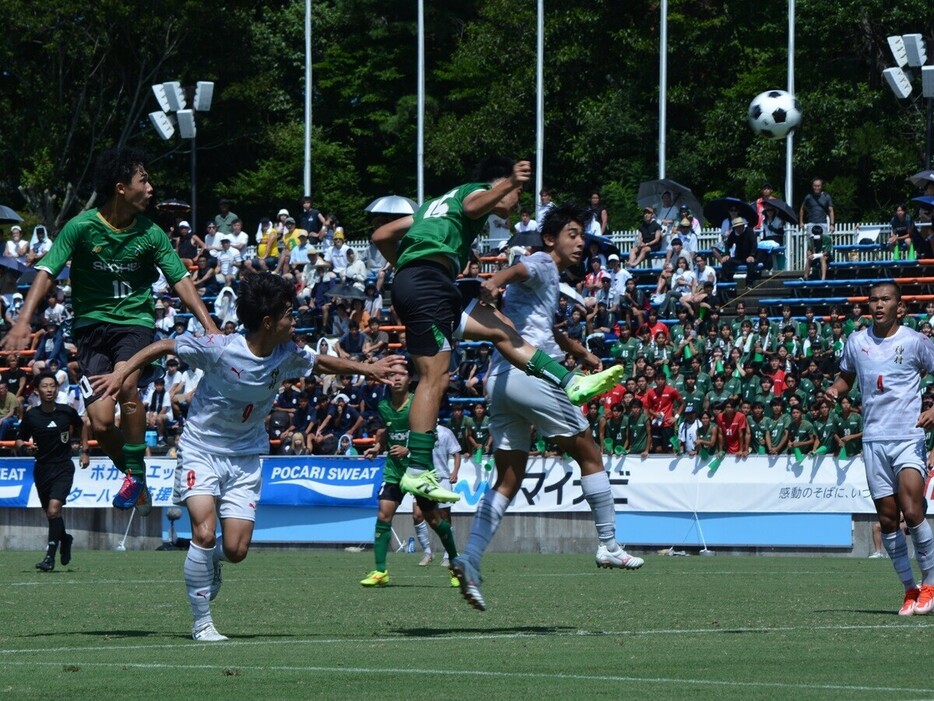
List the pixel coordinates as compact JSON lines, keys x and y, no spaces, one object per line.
{"x":885,"y":459}
{"x":233,"y":479}
{"x":518,"y":402}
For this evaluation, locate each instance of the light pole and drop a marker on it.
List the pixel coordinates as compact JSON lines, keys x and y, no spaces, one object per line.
{"x":171,"y":97}
{"x":910,"y":50}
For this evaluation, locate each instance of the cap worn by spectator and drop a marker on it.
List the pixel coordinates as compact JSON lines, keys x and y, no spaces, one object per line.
{"x":184,"y":225}
{"x":289,"y":220}
{"x":341,"y":397}
{"x":684,"y":208}
{"x":18,"y":295}
{"x":16,"y":227}
{"x":283,"y":211}
{"x":738,"y":221}
{"x":689,"y":409}
{"x":648,"y":210}
{"x":339,"y":234}
{"x":612,"y":257}
{"x":160,"y":304}
{"x":312,"y":251}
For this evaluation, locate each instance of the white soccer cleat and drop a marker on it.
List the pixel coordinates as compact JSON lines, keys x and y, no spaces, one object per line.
{"x":426,"y":560}
{"x":617,"y":559}
{"x":216,"y":581}
{"x":207,"y":634}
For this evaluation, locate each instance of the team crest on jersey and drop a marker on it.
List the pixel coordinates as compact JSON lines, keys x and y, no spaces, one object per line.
{"x":97,"y":249}
{"x":274,"y":379}
{"x":64,"y":436}
{"x":899,"y":352}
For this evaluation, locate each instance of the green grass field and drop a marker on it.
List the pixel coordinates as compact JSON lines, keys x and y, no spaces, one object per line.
{"x":116,"y":625}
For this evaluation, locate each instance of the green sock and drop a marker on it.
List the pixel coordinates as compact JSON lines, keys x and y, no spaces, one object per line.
{"x":544,"y":366}
{"x":420,"y":446}
{"x":381,"y":543}
{"x":446,"y":534}
{"x":134,"y":457}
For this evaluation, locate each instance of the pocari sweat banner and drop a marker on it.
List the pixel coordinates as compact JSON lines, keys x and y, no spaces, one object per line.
{"x":300,"y":480}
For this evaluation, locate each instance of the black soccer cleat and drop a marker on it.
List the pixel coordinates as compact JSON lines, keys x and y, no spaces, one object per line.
{"x":47,"y":564}
{"x":66,"y":548}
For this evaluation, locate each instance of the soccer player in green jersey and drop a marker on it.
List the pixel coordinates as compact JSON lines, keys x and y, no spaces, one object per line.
{"x":777,"y":437}
{"x":638,"y":430}
{"x":428,"y":249}
{"x":849,"y":428}
{"x":116,"y":254}
{"x":759,"y":425}
{"x":395,"y":413}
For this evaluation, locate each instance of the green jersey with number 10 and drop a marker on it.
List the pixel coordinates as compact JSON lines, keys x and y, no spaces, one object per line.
{"x":112,"y":270}
{"x":442,"y":229}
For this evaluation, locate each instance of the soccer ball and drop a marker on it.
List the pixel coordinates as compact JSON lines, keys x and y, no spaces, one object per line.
{"x":774,"y":114}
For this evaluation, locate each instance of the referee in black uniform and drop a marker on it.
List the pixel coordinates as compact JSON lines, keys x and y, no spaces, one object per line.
{"x":51,"y":426}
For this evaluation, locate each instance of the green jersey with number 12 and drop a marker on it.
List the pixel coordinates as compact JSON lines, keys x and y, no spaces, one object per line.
{"x":112,"y":270}
{"x":442,"y":229}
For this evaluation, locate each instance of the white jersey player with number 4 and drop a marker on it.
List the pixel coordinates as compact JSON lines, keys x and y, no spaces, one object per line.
{"x":219,"y":462}
{"x":887,"y":359}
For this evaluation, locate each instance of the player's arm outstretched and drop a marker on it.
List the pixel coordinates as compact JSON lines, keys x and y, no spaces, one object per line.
{"x":381,"y":370}
{"x":188,"y":293}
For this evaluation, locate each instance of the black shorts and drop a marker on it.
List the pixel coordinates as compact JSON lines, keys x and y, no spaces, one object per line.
{"x":101,"y":346}
{"x":429,"y":304}
{"x":54,"y":482}
{"x":393,"y":492}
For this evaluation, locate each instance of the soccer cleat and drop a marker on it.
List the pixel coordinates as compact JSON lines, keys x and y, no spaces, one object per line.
{"x":455,"y":582}
{"x":207,"y":634}
{"x":617,"y":559}
{"x":468,"y":579}
{"x":446,"y":561}
{"x":216,"y":581}
{"x":925,"y":601}
{"x":911,"y":597}
{"x":426,"y":560}
{"x":426,"y":485}
{"x":877,"y":555}
{"x":65,"y":553}
{"x":376,"y":579}
{"x":583,"y":388}
{"x":47,"y":564}
{"x":129,"y":493}
{"x":144,"y":503}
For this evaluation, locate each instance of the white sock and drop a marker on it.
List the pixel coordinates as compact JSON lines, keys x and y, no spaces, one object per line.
{"x":923,"y":541}
{"x":219,"y":554}
{"x":897,"y":548}
{"x":485,"y":522}
{"x":199,"y":572}
{"x":423,"y":536}
{"x":596,"y":489}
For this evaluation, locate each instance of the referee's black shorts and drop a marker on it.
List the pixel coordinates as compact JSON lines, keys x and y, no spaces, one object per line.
{"x":429,"y":304}
{"x":53,"y":481}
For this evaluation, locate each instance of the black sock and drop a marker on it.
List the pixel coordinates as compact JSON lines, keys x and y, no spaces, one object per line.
{"x":56,"y":529}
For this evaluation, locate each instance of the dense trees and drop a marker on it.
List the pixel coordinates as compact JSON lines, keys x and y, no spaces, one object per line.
{"x":75,"y":77}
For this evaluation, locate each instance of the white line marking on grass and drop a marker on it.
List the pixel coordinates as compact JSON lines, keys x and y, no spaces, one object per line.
{"x":481,"y":673}
{"x":478,"y":638}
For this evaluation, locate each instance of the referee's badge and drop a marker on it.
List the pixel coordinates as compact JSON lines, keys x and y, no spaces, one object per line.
{"x":65,"y":436}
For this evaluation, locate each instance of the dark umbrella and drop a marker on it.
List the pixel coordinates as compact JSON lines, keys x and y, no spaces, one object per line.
{"x":526,"y":239}
{"x":604,"y":245}
{"x":719,"y":209}
{"x":783,"y":210}
{"x":345,"y":291}
{"x":922,"y":178}
{"x":173,"y":206}
{"x":924,"y":202}
{"x":8,"y":216}
{"x":29,"y":274}
{"x":13,"y":264}
{"x":650,"y":194}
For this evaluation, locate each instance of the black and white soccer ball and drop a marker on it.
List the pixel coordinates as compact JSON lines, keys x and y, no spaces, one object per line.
{"x":774,"y":114}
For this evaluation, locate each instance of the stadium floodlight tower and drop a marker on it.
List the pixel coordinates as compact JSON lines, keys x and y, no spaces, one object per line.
{"x":172,"y":98}
{"x":910,"y":51}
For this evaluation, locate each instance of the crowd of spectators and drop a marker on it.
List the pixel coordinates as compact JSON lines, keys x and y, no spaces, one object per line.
{"x":697,"y":381}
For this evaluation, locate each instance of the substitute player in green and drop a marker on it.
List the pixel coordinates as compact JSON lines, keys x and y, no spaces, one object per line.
{"x":116,"y":254}
{"x":395,"y":413}
{"x":428,"y":249}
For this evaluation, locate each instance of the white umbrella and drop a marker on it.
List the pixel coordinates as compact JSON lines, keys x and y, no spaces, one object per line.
{"x":391,"y":204}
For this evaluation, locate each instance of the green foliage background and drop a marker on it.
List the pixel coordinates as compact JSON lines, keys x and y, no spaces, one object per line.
{"x":75,"y":77}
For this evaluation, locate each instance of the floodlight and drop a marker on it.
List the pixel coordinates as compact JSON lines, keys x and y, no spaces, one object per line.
{"x":898,"y":82}
{"x":897,"y":45}
{"x":163,"y":124}
{"x":204,"y":91}
{"x":915,"y":49}
{"x":186,"y":124}
{"x":159,"y":91}
{"x":175,"y":95}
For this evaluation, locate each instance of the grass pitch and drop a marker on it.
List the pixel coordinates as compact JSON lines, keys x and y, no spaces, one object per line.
{"x":116,"y":625}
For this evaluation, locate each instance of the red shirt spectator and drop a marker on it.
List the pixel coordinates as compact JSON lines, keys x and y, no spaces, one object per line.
{"x":663,"y":399}
{"x":614,"y":396}
{"x":734,"y":430}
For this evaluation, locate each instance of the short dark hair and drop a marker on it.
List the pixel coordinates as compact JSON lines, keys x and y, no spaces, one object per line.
{"x":889,"y":283}
{"x":493,"y":168}
{"x":558,"y":217}
{"x":45,"y":375}
{"x":116,"y":166}
{"x":262,"y":295}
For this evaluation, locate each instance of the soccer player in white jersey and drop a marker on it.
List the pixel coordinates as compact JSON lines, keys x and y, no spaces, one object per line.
{"x":219,"y":466}
{"x":887,"y":359}
{"x":519,"y":401}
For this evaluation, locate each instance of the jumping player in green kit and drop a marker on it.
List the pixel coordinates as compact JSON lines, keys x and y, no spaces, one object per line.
{"x":116,"y":254}
{"x":428,"y":249}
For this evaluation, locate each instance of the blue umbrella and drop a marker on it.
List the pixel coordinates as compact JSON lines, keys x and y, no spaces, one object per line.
{"x":8,"y":216}
{"x":924,"y":201}
{"x":719,"y":209}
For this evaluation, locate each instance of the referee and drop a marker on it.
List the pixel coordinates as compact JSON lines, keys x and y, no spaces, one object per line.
{"x":50,"y":426}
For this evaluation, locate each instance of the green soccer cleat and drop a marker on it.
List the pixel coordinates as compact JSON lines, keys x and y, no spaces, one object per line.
{"x":376,"y":579}
{"x":583,"y":388}
{"x":426,"y":485}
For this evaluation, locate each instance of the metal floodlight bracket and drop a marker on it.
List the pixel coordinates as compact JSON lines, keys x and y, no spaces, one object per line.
{"x":897,"y":46}
{"x":186,"y":124}
{"x":163,"y":124}
{"x":204,"y":92}
{"x":175,"y":95}
{"x":916,"y":50}
{"x":159,"y":91}
{"x":927,"y":81}
{"x":898,"y":82}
